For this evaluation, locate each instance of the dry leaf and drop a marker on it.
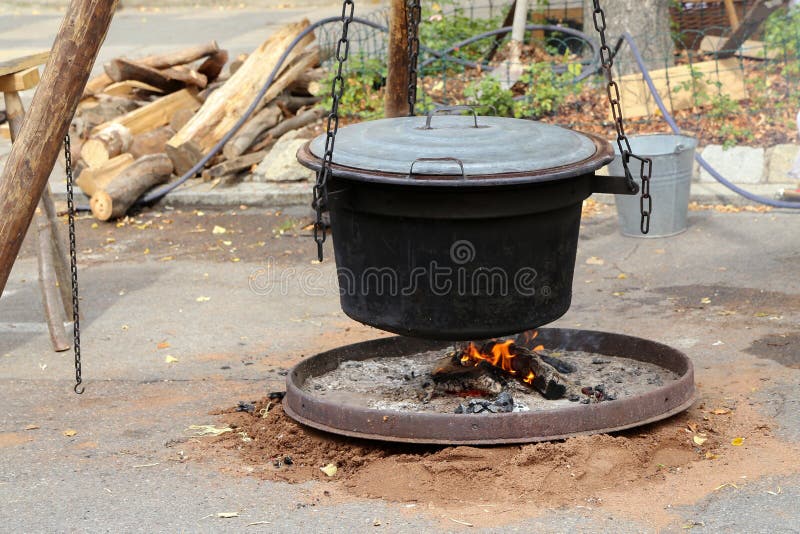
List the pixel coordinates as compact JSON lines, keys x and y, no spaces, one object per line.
{"x":698,"y":439}
{"x":203,"y":299}
{"x":227,"y":515}
{"x":69,"y":433}
{"x":594,"y":260}
{"x":170,"y":359}
{"x":209,"y":430}
{"x":31,"y":427}
{"x":329,"y":469}
{"x":720,"y":411}
{"x":163,"y":345}
{"x":622,"y":276}
{"x":692,"y":427}
{"x":705,"y":300}
{"x":711,"y":456}
{"x":218,"y":230}
{"x":737,"y":442}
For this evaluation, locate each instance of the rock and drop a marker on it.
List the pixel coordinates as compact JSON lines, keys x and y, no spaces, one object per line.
{"x":780,"y":161}
{"x":739,"y":164}
{"x":280,"y":164}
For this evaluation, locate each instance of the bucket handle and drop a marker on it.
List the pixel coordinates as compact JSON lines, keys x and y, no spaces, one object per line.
{"x":453,"y":160}
{"x":448,"y":109}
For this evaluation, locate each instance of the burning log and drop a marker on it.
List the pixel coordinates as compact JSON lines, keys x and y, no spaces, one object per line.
{"x":517,"y":361}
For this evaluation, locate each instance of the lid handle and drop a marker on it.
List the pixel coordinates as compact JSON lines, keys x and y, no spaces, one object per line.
{"x":450,"y":108}
{"x":453,"y":160}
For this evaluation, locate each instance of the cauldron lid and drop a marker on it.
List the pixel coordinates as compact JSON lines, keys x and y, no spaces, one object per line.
{"x":498,"y":145}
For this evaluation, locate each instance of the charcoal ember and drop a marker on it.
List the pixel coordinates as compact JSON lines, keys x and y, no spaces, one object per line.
{"x":248,"y":407}
{"x":287,"y":460}
{"x":588,"y":391}
{"x":574,"y":398}
{"x":276,"y":395}
{"x":599,"y":361}
{"x":503,"y":403}
{"x":558,"y":364}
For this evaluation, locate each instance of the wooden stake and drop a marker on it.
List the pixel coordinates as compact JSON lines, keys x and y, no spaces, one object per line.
{"x":395,"y":102}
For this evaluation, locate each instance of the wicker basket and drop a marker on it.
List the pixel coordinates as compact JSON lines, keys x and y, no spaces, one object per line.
{"x":691,"y":21}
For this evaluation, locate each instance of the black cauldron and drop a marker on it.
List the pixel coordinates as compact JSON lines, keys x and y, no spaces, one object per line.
{"x":458,"y":227}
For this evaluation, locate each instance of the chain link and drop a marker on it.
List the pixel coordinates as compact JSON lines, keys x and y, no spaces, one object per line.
{"x":615,"y":103}
{"x":73,"y":265}
{"x":320,"y":191}
{"x":414,"y":16}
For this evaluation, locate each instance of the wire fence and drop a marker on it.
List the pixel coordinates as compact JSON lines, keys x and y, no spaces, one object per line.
{"x":746,"y":96}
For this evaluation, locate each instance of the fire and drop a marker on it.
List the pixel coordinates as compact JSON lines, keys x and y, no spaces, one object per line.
{"x":500,"y":354}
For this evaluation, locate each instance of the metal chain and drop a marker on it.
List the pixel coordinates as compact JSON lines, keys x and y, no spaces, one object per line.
{"x":607,"y":61}
{"x":320,"y":191}
{"x":414,"y":16}
{"x":73,"y":266}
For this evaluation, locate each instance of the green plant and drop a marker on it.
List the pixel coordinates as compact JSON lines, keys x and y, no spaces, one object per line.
{"x":546,"y":90}
{"x":490,"y":98}
{"x":445,"y":23}
{"x":734,"y":135}
{"x":364,"y":83}
{"x":694,"y":85}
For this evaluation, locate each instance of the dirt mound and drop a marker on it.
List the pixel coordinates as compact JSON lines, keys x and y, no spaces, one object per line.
{"x":638,"y":473}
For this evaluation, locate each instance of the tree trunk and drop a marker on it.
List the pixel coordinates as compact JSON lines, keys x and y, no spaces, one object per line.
{"x":648,"y":21}
{"x":34,"y":154}
{"x":395,"y":102}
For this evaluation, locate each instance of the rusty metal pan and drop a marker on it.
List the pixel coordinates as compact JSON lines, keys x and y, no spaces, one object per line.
{"x":522,"y":427}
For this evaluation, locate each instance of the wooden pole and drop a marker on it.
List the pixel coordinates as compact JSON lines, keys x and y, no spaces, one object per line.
{"x":733,"y":17}
{"x":395,"y":103}
{"x":34,"y":154}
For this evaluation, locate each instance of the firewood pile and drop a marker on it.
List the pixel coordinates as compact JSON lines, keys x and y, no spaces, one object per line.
{"x":146,"y":121}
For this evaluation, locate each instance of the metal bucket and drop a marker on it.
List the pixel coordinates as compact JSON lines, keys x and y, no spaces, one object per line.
{"x":673,"y":161}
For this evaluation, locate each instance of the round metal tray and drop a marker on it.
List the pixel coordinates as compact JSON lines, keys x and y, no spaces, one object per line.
{"x":520,"y":427}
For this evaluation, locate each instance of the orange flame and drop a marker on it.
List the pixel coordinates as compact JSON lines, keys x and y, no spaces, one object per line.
{"x":501,"y":354}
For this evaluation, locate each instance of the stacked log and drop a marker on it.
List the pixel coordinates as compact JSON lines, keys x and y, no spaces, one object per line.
{"x":146,"y":120}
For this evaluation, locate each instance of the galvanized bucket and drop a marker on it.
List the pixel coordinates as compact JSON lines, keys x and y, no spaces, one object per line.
{"x":673,"y":161}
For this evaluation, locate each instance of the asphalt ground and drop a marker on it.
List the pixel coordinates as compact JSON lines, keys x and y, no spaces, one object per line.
{"x":122,"y":470}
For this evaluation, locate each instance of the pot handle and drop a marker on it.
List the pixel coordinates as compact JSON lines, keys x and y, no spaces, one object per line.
{"x":454,"y":160}
{"x":450,"y":108}
{"x":617,"y":185}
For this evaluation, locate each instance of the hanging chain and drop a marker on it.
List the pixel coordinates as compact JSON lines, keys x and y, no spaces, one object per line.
{"x":607,"y":61}
{"x":320,"y":191}
{"x":414,"y":16}
{"x":73,"y":266}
